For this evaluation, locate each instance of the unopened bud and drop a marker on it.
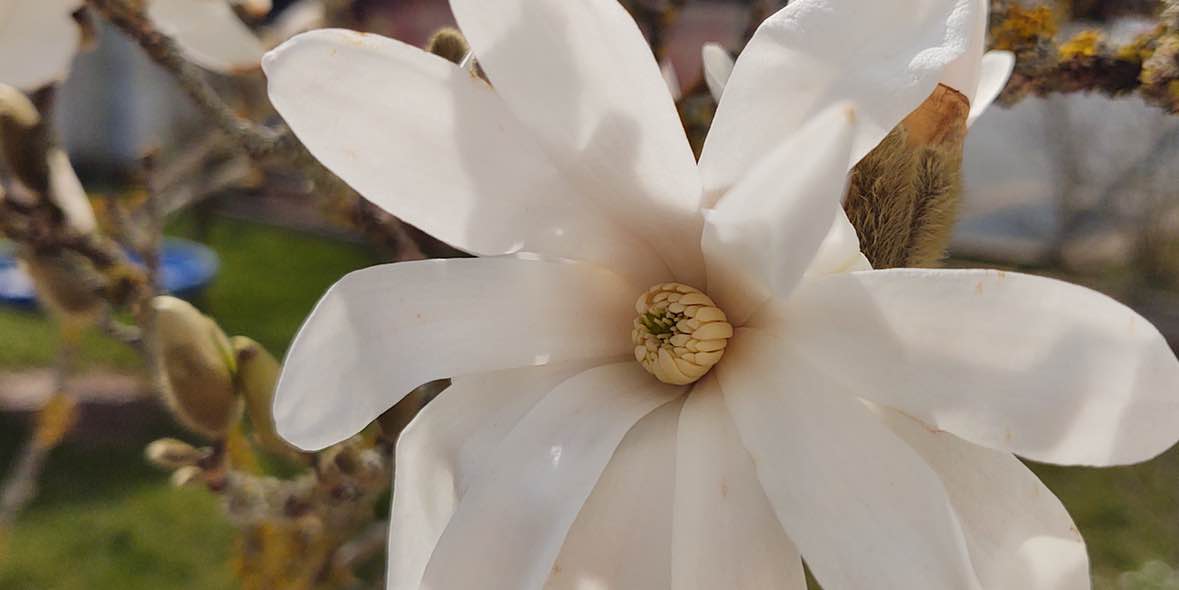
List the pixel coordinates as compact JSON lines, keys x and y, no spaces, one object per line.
{"x":197,"y":363}
{"x":903,"y":196}
{"x":67,"y":285}
{"x":172,"y":454}
{"x":256,"y":378}
{"x":448,"y":44}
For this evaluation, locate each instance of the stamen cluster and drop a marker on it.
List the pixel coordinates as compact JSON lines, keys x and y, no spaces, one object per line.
{"x":679,"y":333}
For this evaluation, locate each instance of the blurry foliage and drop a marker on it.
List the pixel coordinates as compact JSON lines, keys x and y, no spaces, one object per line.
{"x":103,"y":520}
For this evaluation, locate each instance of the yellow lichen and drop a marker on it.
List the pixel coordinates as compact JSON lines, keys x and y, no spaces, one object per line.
{"x":1022,"y":27}
{"x":1083,"y":44}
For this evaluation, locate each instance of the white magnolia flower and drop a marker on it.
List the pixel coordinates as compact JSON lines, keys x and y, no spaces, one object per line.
{"x":39,"y":38}
{"x":866,"y":420}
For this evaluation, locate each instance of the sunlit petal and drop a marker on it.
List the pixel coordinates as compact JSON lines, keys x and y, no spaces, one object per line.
{"x":863,"y":508}
{"x":764,"y":233}
{"x":1047,"y":370}
{"x":511,"y":524}
{"x":725,"y":534}
{"x":886,"y":57}
{"x":427,"y":142}
{"x":1019,"y":535}
{"x":581,"y":76}
{"x":446,"y":447}
{"x":380,"y":332}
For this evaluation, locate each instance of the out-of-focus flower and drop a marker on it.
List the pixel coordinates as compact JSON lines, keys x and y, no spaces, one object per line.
{"x":39,"y":38}
{"x":298,"y":17}
{"x":864,"y":419}
{"x":210,"y":32}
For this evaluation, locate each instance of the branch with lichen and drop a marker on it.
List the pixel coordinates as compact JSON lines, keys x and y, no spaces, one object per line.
{"x":1087,"y":61}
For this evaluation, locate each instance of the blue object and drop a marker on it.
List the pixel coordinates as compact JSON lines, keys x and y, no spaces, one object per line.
{"x":185,"y":269}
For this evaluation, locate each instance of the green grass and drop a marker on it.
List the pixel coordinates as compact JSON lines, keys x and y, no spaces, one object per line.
{"x":36,"y":340}
{"x":1128,"y":515}
{"x":104,"y":519}
{"x":271,"y":278}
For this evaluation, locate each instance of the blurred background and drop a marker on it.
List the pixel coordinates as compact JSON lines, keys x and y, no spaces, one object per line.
{"x":1083,"y":187}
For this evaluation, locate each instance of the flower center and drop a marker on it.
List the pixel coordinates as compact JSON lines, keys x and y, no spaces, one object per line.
{"x":679,"y":333}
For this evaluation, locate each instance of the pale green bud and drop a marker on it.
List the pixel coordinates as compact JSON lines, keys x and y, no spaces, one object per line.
{"x":197,"y":363}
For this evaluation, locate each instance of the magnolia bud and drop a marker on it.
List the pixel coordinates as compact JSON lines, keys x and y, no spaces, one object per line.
{"x":172,"y":454}
{"x":448,"y":44}
{"x":68,"y":286}
{"x":197,"y":363}
{"x":257,"y":376}
{"x":903,"y":196}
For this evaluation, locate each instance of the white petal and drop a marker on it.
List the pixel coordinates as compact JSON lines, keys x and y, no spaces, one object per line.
{"x":1018,"y":533}
{"x":887,"y":57}
{"x":863,"y":508}
{"x":718,"y":66}
{"x":380,"y":332}
{"x":622,"y":536}
{"x":511,"y":524}
{"x":209,"y":33}
{"x":66,"y":192}
{"x":996,"y":70}
{"x":445,"y":448}
{"x":764,"y":233}
{"x":581,"y":76}
{"x":840,"y":250}
{"x":1047,"y":370}
{"x":667,"y":70}
{"x":725,"y":534}
{"x":38,"y":40}
{"x":298,"y":17}
{"x":423,"y":139}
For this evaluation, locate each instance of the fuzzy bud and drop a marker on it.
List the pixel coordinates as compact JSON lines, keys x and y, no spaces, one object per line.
{"x":448,"y":44}
{"x":197,"y":363}
{"x":903,"y":196}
